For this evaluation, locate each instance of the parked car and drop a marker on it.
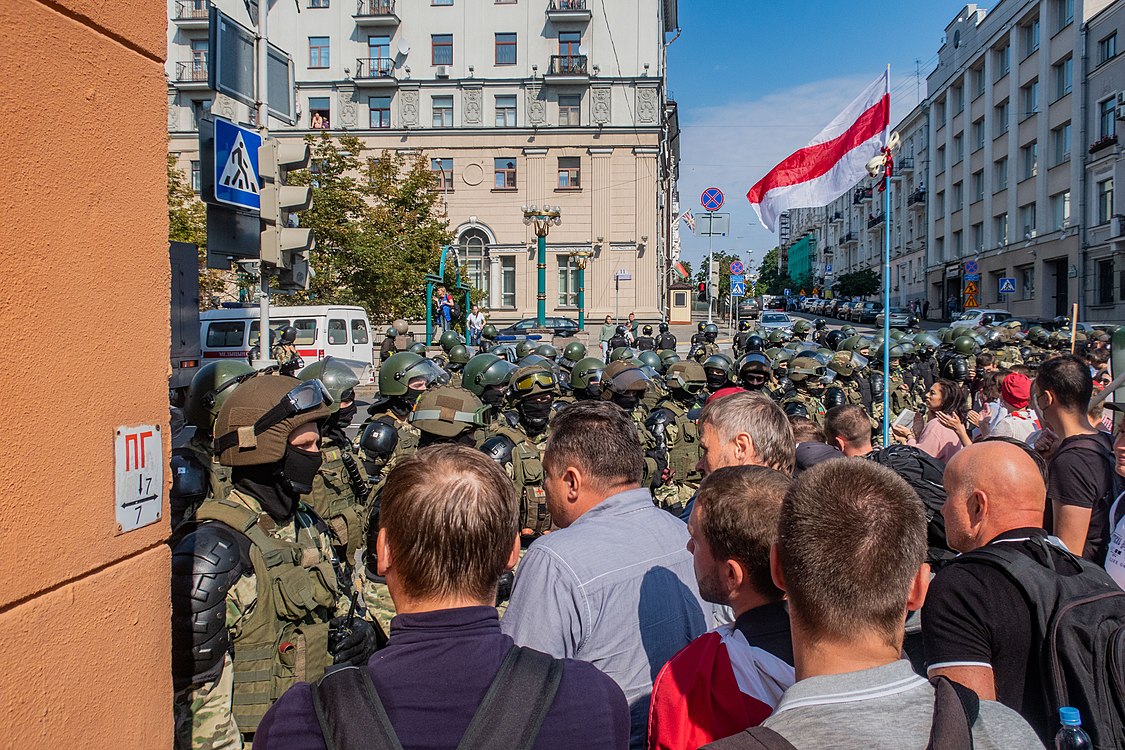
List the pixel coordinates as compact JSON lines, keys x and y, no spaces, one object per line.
{"x":844,"y":310}
{"x":772,"y":320}
{"x":900,"y":318}
{"x":863,"y":312}
{"x":776,"y":303}
{"x":982,"y":316}
{"x":560,"y":327}
{"x":809,"y":304}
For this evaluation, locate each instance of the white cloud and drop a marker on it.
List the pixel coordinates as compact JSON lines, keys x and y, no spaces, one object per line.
{"x":732,"y":146}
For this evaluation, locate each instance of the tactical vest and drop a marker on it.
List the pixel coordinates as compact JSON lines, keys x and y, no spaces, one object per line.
{"x":334,"y":500}
{"x":284,"y":639}
{"x":683,"y":448}
{"x":528,"y":477}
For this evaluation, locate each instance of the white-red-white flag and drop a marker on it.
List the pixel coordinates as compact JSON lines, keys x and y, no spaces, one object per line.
{"x":833,"y":162}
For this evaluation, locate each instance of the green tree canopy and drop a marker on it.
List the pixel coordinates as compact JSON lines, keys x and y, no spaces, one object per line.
{"x":858,"y":284}
{"x":187,"y":222}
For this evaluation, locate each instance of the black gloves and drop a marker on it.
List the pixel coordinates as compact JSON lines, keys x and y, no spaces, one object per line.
{"x":354,"y":642}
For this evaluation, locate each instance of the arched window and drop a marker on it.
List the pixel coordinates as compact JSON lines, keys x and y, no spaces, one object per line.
{"x":473,"y":244}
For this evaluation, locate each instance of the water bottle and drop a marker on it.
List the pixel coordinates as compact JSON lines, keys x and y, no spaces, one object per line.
{"x":1071,"y":736}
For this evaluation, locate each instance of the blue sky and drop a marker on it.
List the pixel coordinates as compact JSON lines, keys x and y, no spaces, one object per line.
{"x":755,"y":80}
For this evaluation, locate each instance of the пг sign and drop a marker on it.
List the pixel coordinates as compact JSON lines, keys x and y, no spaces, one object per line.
{"x":138,"y":454}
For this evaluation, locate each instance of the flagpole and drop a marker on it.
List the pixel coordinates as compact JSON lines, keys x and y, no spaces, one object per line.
{"x":887,"y":298}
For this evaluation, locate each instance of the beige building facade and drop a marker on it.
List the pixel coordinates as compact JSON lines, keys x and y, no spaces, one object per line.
{"x":536,"y":102}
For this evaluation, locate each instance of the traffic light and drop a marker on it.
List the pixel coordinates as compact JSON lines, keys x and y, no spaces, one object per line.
{"x":283,"y":244}
{"x":703,"y":290}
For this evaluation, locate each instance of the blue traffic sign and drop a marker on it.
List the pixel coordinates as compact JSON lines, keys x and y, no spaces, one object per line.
{"x":736,"y":267}
{"x":236,"y":165}
{"x":738,"y":289}
{"x":737,"y":278}
{"x":788,"y":292}
{"x":971,"y":266}
{"x":972,"y":277}
{"x":1007,"y":285}
{"x":827,"y":269}
{"x":712,"y":199}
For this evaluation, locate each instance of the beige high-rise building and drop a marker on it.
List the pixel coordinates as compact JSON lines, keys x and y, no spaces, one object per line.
{"x":515,"y":103}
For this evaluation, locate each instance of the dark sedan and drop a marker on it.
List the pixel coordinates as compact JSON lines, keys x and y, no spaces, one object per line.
{"x":560,"y":327}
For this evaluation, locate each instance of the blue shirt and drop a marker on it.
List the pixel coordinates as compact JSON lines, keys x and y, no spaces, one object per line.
{"x":432,"y":677}
{"x":616,"y":589}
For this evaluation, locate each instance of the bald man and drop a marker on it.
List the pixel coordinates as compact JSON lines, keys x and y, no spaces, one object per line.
{"x":976,"y":624}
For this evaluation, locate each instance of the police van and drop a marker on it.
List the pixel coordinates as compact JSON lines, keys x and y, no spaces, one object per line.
{"x":340,"y":331}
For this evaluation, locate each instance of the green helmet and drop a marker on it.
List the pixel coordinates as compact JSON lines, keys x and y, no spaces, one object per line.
{"x":337,"y":377}
{"x":448,"y":340}
{"x":489,"y":332}
{"x":803,"y":368}
{"x":785,"y":355}
{"x":718,"y":362}
{"x":802,"y":327}
{"x":531,"y":381}
{"x":651,"y":359}
{"x":243,"y":434}
{"x":484,"y":370}
{"x":396,"y":374}
{"x":947,"y":336}
{"x":391,"y":332}
{"x":448,"y":411}
{"x":622,"y":377}
{"x":688,"y":376}
{"x":776,"y":337}
{"x":897,"y":335}
{"x":523,"y":349}
{"x":965,"y":345}
{"x":848,"y":330}
{"x":622,"y":353}
{"x":574,"y":352}
{"x":1038,"y":335}
{"x":209,"y":388}
{"x":842,"y":364}
{"x":548,"y":351}
{"x":586,"y":372}
{"x":668,"y":357}
{"x":711,"y":328}
{"x":459,"y":355}
{"x":500,"y":351}
{"x":419,"y":348}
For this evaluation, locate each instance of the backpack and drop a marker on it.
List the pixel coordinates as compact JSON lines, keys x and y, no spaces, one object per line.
{"x":352,"y":717}
{"x":1079,"y":633}
{"x":924,"y":474}
{"x":955,"y":713}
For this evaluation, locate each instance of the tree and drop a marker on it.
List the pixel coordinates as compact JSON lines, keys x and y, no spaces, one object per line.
{"x":858,"y":284}
{"x":770,"y":280}
{"x":376,"y":226}
{"x":187,"y":222}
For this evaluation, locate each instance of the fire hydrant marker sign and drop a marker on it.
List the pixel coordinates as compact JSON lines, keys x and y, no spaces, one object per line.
{"x":138,"y":475}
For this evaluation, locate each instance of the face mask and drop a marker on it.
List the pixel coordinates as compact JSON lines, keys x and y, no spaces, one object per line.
{"x":411,"y":396}
{"x":535,"y":413}
{"x":346,"y":414}
{"x":299,"y":468}
{"x":627,"y":401}
{"x":716,"y":379}
{"x":492,"y":396}
{"x":593,"y":390}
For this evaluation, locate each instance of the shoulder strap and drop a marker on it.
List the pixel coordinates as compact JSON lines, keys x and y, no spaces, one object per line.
{"x":350,"y":713}
{"x":516,"y":703}
{"x":956,"y":708}
{"x":236,"y":516}
{"x":758,"y":738}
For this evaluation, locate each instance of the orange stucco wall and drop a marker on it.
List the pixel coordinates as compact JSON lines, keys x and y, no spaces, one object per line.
{"x":84,"y":307}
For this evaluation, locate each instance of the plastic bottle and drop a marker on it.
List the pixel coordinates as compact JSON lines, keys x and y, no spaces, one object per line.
{"x":1071,"y":736}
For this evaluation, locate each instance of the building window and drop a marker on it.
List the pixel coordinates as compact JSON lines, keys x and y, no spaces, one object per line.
{"x":505,"y":170}
{"x":1105,"y":282}
{"x":570,"y":172}
{"x":196,"y":177}
{"x":1107,"y":118}
{"x":442,"y":49}
{"x":978,"y":186}
{"x":978,"y":237}
{"x":1027,"y":220}
{"x":474,"y":244}
{"x":1000,"y":174}
{"x":1029,"y":98}
{"x":1060,"y":210}
{"x":505,"y":49}
{"x":978,"y":82}
{"x":442,"y":111}
{"x":1030,"y":34}
{"x":507,"y":281}
{"x":441,"y":2}
{"x":570,"y":106}
{"x":1000,"y":119}
{"x":379,"y":47}
{"x":318,"y":52}
{"x":380,"y":111}
{"x":372,"y":168}
{"x":1107,"y":48}
{"x":939,"y":114}
{"x":939,"y":160}
{"x":199,"y":59}
{"x":1104,"y":201}
{"x":1029,"y":160}
{"x":1027,"y":281}
{"x":1000,"y":229}
{"x":319,"y":112}
{"x":958,"y":245}
{"x":1064,"y":13}
{"x":199,"y":109}
{"x":958,"y":99}
{"x":958,"y":197}
{"x":568,"y":281}
{"x":1060,"y":144}
{"x":569,"y":43}
{"x":505,"y":110}
{"x":1003,"y":61}
{"x":978,"y":135}
{"x":443,"y":173}
{"x":958,"y":148}
{"x":939,"y":203}
{"x":1063,"y":77}
{"x":318,"y":3}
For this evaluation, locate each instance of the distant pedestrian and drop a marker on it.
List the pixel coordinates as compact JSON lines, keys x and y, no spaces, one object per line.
{"x":925,"y":309}
{"x":609,"y":330}
{"x":444,"y":302}
{"x":475,"y":322}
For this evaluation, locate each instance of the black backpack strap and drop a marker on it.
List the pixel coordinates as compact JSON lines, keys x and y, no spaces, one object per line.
{"x":516,"y":703}
{"x":956,"y":708}
{"x":754,"y":738}
{"x":350,"y":713}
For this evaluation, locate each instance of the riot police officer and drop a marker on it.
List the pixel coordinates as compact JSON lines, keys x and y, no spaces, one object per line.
{"x":807,"y":376}
{"x":488,"y":336}
{"x":486,"y":377}
{"x":673,"y":424}
{"x":257,"y":602}
{"x":619,"y":340}
{"x":402,"y":378}
{"x":586,"y":379}
{"x":707,"y":346}
{"x":458,"y":357}
{"x":666,"y":340}
{"x":645,"y":342}
{"x":285,"y":353}
{"x":719,"y":370}
{"x":753,"y":371}
{"x":449,"y":414}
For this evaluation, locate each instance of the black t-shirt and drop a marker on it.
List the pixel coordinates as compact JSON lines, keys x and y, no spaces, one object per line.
{"x":975,"y":616}
{"x":1081,"y":473}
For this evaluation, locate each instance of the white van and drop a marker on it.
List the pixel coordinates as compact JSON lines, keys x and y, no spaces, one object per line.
{"x":340,"y":331}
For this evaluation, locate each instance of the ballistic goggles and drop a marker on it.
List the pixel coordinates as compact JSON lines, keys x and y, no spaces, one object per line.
{"x":528,"y":382}
{"x":307,"y":396}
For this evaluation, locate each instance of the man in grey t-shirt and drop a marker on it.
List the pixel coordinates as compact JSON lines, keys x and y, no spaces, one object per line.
{"x":851,"y":558}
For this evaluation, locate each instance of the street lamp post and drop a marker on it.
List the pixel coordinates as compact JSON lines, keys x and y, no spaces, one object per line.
{"x":581,"y":257}
{"x":541,"y":219}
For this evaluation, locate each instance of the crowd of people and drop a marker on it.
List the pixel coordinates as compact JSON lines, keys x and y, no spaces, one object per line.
{"x":544,"y":547}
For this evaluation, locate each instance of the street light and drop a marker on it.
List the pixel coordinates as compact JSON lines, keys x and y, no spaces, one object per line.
{"x":581,"y":257}
{"x":542,"y":219}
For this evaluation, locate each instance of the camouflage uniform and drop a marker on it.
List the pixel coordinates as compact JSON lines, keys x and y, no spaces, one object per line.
{"x":811,"y":403}
{"x":680,"y":439}
{"x":525,"y":469}
{"x":287,"y":358}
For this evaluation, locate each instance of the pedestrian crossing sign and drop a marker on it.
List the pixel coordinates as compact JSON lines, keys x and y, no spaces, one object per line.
{"x":236,"y":165}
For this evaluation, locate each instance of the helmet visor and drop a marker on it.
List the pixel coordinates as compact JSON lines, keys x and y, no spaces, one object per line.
{"x":629,"y":380}
{"x":425,"y":373}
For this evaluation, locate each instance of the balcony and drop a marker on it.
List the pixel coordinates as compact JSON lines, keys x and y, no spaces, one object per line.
{"x":836,"y":218}
{"x":917,"y":198}
{"x":568,"y":11}
{"x":861,"y":195}
{"x":905,"y":164}
{"x":848,"y":239}
{"x":375,"y":71}
{"x":375,"y":13}
{"x":568,"y":69}
{"x":192,"y":14}
{"x":192,"y":74}
{"x":1104,"y":142}
{"x":875,"y":220}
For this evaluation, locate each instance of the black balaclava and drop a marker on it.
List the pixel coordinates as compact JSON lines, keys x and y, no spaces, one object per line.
{"x":716,"y":379}
{"x":333,"y":427}
{"x":535,"y":414}
{"x":279,"y":486}
{"x":493,"y":395}
{"x":627,"y":400}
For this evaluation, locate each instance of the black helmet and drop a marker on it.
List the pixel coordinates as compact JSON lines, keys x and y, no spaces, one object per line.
{"x":378,"y":441}
{"x":288,"y":335}
{"x":647,"y":330}
{"x":711,"y":331}
{"x":832,"y":339}
{"x":820,"y":323}
{"x":795,"y":409}
{"x":664,"y":328}
{"x":754,"y":343}
{"x":956,"y":369}
{"x":620,"y":331}
{"x":699,"y":327}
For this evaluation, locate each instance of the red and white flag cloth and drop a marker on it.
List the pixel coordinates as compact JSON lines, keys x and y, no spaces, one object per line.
{"x":833,"y":162}
{"x":714,"y":687}
{"x":688,"y":219}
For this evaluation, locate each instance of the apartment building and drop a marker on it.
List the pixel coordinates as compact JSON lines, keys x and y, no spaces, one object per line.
{"x":515,"y":103}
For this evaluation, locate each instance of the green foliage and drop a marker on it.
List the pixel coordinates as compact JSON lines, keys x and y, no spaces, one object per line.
{"x":723,"y":260}
{"x":187,"y":222}
{"x":858,"y":284}
{"x":376,"y":224}
{"x":770,"y":280}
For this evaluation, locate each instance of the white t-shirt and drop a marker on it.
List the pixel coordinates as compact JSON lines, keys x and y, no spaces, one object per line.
{"x":475,"y":320}
{"x":1115,"y":554}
